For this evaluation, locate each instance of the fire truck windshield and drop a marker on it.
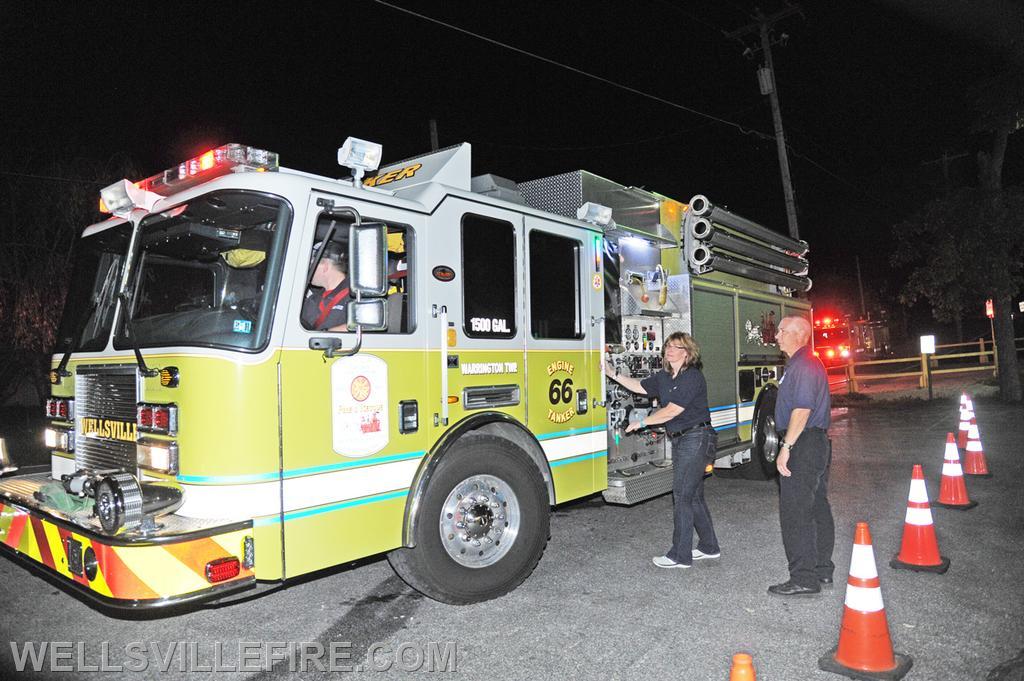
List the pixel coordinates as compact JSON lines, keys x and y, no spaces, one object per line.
{"x":205,"y":273}
{"x":831,"y":336}
{"x":92,"y":292}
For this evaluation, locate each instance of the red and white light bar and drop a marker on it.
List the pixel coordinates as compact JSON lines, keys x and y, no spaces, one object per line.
{"x":229,"y":158}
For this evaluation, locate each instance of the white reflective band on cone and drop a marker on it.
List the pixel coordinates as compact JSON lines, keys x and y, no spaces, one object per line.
{"x":862,"y":562}
{"x":951,"y":452}
{"x":953,"y":470}
{"x":973,"y":446}
{"x":919,"y":516}
{"x":972,"y":432}
{"x":969,"y":406}
{"x":864,"y":600}
{"x":918,"y":492}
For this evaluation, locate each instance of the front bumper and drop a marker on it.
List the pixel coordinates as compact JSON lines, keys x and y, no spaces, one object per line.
{"x":165,"y":567}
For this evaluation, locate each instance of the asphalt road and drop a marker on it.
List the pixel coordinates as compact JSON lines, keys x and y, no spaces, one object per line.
{"x":596,"y":607}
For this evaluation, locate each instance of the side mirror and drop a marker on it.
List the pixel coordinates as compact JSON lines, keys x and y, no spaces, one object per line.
{"x":368,"y":259}
{"x":368,"y":315}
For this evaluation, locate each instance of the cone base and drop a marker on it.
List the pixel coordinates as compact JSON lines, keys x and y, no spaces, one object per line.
{"x":827,"y":662}
{"x":958,"y":507}
{"x":978,"y":475}
{"x":941,"y":568}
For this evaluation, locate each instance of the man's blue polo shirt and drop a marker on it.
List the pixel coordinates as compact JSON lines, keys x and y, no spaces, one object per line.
{"x":804,"y":385}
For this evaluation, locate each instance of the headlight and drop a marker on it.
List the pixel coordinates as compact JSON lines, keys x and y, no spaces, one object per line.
{"x":157,"y":455}
{"x":60,"y":439}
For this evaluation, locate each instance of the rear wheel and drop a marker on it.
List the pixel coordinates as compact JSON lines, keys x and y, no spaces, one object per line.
{"x":765,"y":446}
{"x":482,"y":524}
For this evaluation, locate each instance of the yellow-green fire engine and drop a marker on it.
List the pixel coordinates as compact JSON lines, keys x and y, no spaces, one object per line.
{"x":205,"y":434}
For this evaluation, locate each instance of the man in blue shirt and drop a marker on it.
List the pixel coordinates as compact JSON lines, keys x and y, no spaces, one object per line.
{"x":802,"y":416}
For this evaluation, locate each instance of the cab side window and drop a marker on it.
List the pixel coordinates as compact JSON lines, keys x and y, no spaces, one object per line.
{"x":326,"y":299}
{"x":555,"y":305}
{"x":489,"y":277}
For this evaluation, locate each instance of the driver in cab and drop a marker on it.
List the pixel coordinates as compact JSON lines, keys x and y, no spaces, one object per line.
{"x":325,"y":307}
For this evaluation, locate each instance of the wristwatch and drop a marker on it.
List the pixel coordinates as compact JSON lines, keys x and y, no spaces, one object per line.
{"x":785,"y":445}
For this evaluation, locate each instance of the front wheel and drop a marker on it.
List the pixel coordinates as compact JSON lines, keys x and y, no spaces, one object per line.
{"x":482,"y":524}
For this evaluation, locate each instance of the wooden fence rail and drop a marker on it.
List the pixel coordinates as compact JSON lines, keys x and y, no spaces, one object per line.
{"x":922,"y":361}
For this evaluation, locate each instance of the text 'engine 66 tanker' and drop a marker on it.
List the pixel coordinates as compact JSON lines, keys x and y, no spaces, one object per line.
{"x":206,"y":435}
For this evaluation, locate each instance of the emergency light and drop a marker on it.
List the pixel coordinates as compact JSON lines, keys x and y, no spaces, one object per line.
{"x":123,"y":195}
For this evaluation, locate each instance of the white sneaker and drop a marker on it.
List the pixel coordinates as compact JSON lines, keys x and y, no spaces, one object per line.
{"x":666,"y":562}
{"x":700,"y":555}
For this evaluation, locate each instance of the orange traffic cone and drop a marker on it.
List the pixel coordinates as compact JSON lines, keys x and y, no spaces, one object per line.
{"x":920,"y":549}
{"x":966,"y":414}
{"x":953,"y":490}
{"x":742,"y":668}
{"x":974,"y":458}
{"x":865,"y":649}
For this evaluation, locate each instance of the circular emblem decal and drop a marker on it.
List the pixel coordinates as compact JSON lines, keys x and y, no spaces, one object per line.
{"x":443,"y":273}
{"x":597,"y":282}
{"x":360,"y":388}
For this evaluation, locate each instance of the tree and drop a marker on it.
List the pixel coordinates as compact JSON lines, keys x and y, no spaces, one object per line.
{"x":964,"y":248}
{"x":44,"y":212}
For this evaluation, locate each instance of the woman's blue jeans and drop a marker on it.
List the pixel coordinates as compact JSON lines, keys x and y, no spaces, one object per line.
{"x":690,"y":455}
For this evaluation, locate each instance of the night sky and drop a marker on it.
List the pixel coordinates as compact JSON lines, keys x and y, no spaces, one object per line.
{"x":873,"y":94}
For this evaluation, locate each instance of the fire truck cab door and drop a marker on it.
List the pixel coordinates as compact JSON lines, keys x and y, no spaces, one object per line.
{"x":347,"y":456}
{"x":564,"y":311}
{"x":473,"y":315}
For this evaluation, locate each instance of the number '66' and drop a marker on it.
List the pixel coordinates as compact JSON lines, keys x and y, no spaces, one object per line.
{"x":560,"y":392}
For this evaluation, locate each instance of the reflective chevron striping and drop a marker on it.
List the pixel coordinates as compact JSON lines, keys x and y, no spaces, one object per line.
{"x":166,"y":577}
{"x":130,"y":573}
{"x":121,"y":581}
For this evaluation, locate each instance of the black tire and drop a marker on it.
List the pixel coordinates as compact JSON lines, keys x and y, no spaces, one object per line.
{"x":765,"y":447}
{"x":454,"y":569}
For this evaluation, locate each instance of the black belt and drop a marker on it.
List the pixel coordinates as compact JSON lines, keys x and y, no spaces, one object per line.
{"x":808,"y":429}
{"x":705,"y":424}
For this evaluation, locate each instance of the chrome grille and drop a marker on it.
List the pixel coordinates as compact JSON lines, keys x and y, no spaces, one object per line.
{"x":105,"y":392}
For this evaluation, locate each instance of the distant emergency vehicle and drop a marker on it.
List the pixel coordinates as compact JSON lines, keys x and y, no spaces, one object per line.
{"x":206,"y":435}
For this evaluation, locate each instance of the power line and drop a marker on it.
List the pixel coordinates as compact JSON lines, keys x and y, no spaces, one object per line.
{"x":581,"y":72}
{"x":50,"y":177}
{"x":627,"y":88}
{"x":596,"y":147}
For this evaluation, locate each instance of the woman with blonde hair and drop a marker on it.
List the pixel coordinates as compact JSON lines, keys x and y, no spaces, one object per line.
{"x":682,"y":399}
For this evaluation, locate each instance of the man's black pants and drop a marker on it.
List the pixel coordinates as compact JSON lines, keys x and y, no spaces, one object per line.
{"x":808,"y":532}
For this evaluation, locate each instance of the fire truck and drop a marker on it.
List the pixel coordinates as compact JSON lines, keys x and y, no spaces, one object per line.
{"x":833,"y":340}
{"x":840,"y":338}
{"x":205,"y":435}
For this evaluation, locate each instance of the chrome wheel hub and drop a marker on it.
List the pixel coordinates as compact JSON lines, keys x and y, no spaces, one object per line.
{"x":771,"y":440}
{"x":479,"y":521}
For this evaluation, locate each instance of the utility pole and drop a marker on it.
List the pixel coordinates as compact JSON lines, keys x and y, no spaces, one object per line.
{"x":860,"y":286}
{"x":762,"y":26}
{"x":433,"y":134}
